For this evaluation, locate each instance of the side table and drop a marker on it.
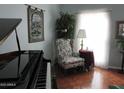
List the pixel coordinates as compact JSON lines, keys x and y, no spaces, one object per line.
{"x":89,"y":58}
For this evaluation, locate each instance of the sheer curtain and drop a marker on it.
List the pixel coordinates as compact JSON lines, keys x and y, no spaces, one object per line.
{"x":96,"y":24}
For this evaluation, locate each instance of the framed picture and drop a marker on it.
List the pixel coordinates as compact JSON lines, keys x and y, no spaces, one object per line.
{"x":35,"y":25}
{"x":119,"y":29}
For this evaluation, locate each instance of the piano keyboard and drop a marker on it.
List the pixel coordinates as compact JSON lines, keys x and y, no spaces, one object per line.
{"x":43,"y":77}
{"x":48,"y":78}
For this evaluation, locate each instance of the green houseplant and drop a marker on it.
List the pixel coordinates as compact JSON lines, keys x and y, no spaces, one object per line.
{"x":65,"y":25}
{"x":120,"y":42}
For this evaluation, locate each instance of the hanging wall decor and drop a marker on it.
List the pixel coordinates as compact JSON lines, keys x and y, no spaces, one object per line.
{"x":35,"y":25}
{"x":120,"y":29}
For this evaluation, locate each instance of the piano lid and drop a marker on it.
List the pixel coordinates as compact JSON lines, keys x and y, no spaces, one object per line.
{"x":7,"y":25}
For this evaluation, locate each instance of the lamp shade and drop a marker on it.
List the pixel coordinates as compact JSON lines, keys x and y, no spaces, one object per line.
{"x":81,"y":34}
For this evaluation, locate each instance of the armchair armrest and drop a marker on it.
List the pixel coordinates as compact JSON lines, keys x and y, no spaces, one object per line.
{"x":75,"y":54}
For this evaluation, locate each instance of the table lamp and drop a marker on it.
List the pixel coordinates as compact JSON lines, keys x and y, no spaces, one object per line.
{"x":81,"y":34}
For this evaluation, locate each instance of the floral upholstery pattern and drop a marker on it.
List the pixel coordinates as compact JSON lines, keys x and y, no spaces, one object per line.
{"x":65,"y":55}
{"x":63,"y":47}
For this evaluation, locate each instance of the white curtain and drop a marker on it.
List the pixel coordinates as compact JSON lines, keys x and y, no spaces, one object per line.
{"x":96,"y":25}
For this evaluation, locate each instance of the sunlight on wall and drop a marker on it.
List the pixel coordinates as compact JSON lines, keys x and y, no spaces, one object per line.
{"x":96,"y":25}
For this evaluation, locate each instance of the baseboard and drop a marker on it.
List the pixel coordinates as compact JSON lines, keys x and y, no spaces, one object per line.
{"x":112,"y":67}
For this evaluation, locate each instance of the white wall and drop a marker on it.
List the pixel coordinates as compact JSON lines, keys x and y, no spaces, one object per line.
{"x":20,"y":11}
{"x":116,"y":13}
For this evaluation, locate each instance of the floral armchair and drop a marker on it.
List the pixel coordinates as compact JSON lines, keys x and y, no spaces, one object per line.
{"x":66,"y":58}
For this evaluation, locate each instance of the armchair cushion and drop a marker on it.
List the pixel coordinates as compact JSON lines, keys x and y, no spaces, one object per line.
{"x":71,"y":59}
{"x":72,"y":62}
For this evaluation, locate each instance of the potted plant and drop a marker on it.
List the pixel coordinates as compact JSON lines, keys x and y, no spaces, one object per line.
{"x":65,"y":25}
{"x":120,"y":43}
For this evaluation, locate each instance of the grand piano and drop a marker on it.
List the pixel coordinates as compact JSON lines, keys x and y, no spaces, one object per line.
{"x":26,"y":69}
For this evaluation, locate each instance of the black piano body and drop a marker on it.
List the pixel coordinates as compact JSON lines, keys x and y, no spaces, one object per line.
{"x":20,"y":70}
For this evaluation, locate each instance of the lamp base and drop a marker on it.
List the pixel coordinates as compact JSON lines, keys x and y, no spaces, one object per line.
{"x":82,"y":44}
